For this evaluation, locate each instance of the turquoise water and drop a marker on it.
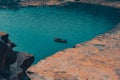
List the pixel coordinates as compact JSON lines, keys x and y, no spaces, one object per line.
{"x":33,"y":29}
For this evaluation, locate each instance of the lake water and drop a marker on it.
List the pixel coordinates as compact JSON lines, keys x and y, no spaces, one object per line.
{"x":33,"y":29}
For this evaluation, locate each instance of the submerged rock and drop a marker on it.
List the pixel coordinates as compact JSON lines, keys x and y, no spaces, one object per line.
{"x":13,"y":64}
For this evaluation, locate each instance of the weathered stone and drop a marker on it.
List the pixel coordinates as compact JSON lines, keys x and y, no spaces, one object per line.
{"x":117,"y":71}
{"x":110,"y":3}
{"x":18,"y":69}
{"x":7,"y":55}
{"x":91,"y":60}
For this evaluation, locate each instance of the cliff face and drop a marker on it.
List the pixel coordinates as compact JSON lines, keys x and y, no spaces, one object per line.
{"x":13,"y":64}
{"x":98,"y":59}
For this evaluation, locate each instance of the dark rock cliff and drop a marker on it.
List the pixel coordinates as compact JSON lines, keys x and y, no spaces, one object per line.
{"x":13,"y":64}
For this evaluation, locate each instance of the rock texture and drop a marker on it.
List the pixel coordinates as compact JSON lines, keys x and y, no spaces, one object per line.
{"x":13,"y":64}
{"x":26,"y":3}
{"x":98,"y":59}
{"x":110,"y":3}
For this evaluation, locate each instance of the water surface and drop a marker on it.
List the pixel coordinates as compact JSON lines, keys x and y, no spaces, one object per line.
{"x":33,"y":29}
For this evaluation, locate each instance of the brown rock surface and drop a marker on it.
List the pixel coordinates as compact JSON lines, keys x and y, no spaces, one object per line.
{"x":98,"y":59}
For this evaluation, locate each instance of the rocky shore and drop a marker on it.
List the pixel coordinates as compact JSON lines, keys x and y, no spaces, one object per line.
{"x":16,"y":4}
{"x":13,"y":64}
{"x":35,"y":3}
{"x":97,"y":59}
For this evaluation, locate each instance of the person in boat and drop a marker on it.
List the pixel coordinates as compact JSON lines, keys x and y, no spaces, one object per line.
{"x":60,"y":40}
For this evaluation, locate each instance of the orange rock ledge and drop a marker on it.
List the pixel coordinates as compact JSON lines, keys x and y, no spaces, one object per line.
{"x":98,"y":59}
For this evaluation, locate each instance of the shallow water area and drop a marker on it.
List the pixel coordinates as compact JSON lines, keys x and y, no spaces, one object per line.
{"x":34,"y":29}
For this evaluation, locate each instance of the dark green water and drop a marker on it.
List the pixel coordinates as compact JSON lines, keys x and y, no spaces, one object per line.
{"x":33,"y":29}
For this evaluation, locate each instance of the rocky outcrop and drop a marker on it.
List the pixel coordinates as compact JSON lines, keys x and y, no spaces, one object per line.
{"x":29,"y":3}
{"x":16,"y":4}
{"x":98,"y":59}
{"x":13,"y":64}
{"x":26,"y":3}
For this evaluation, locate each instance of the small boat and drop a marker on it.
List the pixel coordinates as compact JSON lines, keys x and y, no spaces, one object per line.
{"x":60,"y":40}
